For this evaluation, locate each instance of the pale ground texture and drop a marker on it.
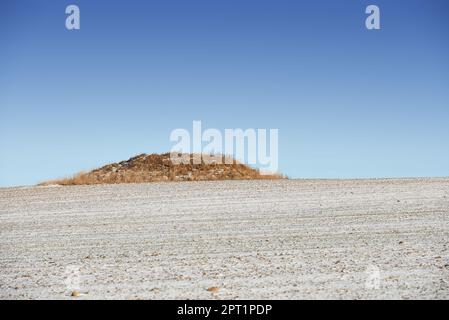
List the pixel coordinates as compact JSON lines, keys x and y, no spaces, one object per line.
{"x":297,"y":239}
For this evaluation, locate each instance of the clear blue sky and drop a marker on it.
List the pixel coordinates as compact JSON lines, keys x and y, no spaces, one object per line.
{"x":348,"y":102}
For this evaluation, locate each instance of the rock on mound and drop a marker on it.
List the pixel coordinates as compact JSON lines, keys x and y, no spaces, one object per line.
{"x":159,"y":167}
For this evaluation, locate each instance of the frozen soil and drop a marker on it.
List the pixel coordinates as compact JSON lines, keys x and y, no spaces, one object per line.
{"x":280,"y":239}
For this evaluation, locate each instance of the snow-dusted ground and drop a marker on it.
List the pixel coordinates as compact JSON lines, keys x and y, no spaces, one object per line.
{"x":250,"y":239}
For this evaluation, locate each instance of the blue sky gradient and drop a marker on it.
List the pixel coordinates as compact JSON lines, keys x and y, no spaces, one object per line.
{"x":348,"y":102}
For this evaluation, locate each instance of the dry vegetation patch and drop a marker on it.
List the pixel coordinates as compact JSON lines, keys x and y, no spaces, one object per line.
{"x":159,"y":167}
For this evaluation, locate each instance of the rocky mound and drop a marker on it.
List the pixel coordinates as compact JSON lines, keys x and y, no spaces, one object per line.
{"x":159,"y":167}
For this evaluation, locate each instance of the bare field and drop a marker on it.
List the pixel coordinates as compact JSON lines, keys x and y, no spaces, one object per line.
{"x":280,"y":239}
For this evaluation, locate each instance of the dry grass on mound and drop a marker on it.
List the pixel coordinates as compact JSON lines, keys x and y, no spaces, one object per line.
{"x":156,"y":168}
